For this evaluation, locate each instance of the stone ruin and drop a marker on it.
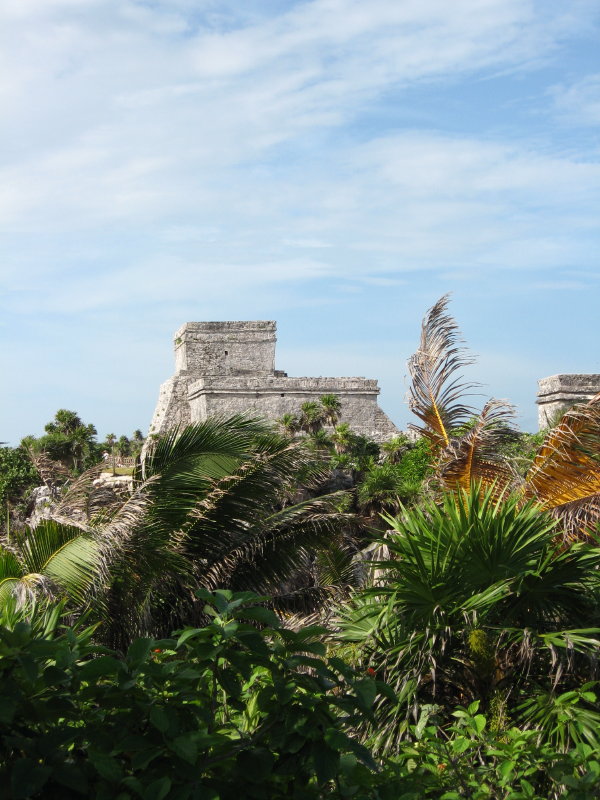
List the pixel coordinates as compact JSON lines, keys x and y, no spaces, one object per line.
{"x":226,"y":368}
{"x":558,"y":393}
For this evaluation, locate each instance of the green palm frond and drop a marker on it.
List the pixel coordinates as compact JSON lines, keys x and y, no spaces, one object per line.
{"x":51,"y":560}
{"x":206,"y":451}
{"x":64,"y":554}
{"x":11,"y":570}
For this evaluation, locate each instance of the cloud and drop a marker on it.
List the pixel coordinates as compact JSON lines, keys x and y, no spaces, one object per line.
{"x":578,"y":103}
{"x":123,"y":111}
{"x":199,"y":159}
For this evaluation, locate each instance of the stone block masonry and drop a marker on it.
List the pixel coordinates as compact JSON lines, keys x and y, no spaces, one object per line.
{"x":225,"y":368}
{"x":558,"y":393}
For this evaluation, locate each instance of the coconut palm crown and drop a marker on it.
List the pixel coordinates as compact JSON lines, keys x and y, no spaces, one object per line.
{"x":564,"y":477}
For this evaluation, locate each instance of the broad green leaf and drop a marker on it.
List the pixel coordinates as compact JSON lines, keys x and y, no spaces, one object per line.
{"x":158,"y":789}
{"x":326,"y":761}
{"x":159,"y":718}
{"x":138,"y":651}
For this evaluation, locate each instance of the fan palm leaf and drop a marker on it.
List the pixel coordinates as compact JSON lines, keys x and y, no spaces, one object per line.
{"x":474,"y":597}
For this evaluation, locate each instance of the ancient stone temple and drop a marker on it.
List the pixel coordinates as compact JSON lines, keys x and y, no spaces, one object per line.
{"x":559,"y":392}
{"x":224,"y":368}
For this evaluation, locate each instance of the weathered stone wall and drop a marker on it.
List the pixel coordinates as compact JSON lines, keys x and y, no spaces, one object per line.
{"x":273,"y":397}
{"x":172,"y":409}
{"x":226,"y":368}
{"x":226,"y":348}
{"x":558,"y":393}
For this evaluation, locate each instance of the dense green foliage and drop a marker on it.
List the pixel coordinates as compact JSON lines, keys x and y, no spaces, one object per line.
{"x":213,"y":507}
{"x":221,"y":711}
{"x":71,"y":442}
{"x":17,"y":475}
{"x":473,"y":643}
{"x":231,"y":710}
{"x":475,"y":602}
{"x":67,"y":439}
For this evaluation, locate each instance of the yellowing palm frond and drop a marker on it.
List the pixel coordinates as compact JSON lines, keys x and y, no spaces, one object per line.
{"x":565,"y":474}
{"x":435,"y":395}
{"x":474,"y":458}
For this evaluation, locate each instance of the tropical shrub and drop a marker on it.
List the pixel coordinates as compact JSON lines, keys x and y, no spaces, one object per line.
{"x":17,"y":475}
{"x":67,"y":440}
{"x":223,"y":711}
{"x":384,"y":489}
{"x":471,"y":758}
{"x":475,"y":602}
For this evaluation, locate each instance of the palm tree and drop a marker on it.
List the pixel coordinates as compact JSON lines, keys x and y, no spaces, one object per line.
{"x":137,"y":443}
{"x":384,"y":489}
{"x":211,"y":508}
{"x":395,"y":448}
{"x":342,"y":438}
{"x":123,"y":446}
{"x":289,"y":424}
{"x":332,"y":408}
{"x":312,"y":416}
{"x":475,"y":602}
{"x":67,"y":439}
{"x":564,"y":477}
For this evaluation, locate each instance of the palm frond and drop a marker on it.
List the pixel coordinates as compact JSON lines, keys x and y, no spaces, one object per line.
{"x":52,"y":473}
{"x":83,"y":499}
{"x":274,"y":548}
{"x":435,"y":395}
{"x":475,"y":457}
{"x":209,"y":449}
{"x":63,"y":555}
{"x":565,"y":474}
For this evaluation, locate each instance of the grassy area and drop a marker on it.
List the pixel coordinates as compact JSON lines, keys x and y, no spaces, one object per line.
{"x":117,"y":471}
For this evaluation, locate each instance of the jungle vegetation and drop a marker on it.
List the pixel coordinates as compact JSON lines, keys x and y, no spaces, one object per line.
{"x":293,"y":611}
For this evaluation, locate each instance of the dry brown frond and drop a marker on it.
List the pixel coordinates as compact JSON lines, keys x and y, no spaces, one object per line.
{"x":474,"y":458}
{"x":52,"y":473}
{"x":83,"y":499}
{"x":435,"y":393}
{"x":565,"y":474}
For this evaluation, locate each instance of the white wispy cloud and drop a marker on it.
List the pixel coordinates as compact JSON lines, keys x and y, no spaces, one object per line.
{"x":209,"y":158}
{"x":579,"y":102}
{"x":129,"y":111}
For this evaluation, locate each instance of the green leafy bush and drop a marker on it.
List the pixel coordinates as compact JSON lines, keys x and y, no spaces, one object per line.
{"x":224,"y":711}
{"x":471,"y":759}
{"x":474,"y":601}
{"x":17,"y":474}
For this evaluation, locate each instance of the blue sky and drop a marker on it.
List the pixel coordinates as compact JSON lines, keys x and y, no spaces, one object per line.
{"x":335,"y":165}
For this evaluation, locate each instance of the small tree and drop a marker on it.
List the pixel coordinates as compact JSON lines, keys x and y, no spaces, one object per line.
{"x":68,"y":440}
{"x":312,"y":416}
{"x":289,"y":424}
{"x":332,"y":408}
